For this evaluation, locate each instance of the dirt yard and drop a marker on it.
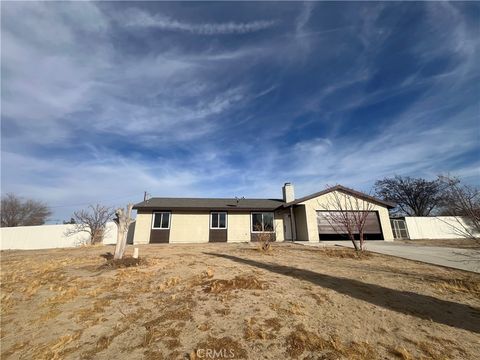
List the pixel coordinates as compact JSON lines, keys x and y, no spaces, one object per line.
{"x":232,"y":301}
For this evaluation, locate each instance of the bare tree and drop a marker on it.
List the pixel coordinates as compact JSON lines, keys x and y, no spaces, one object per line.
{"x":123,"y":220}
{"x":462,"y":202}
{"x":413,"y":196}
{"x":16,"y":212}
{"x":347,"y":214}
{"x":93,"y":221}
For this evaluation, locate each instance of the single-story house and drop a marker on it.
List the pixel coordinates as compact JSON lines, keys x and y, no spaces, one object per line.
{"x":202,"y":220}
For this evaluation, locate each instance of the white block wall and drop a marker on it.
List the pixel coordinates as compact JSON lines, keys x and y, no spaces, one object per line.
{"x":435,"y":227}
{"x":48,"y":237}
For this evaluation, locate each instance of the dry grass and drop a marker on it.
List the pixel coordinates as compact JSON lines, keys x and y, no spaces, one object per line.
{"x":126,"y":262}
{"x":14,"y":349}
{"x":320,"y":298}
{"x":240,"y":282}
{"x":49,"y":315}
{"x":469,"y":285}
{"x":169,"y":283}
{"x":266,"y":330}
{"x":401,"y":352}
{"x":64,"y":295}
{"x":92,"y":315}
{"x":55,"y":349}
{"x":153,"y":355}
{"x":435,"y":348}
{"x":104,"y":341}
{"x":345,"y":253}
{"x":301,"y":340}
{"x":63,"y":304}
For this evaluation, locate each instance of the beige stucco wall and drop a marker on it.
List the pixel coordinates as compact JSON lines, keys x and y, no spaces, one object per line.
{"x":238,"y":227}
{"x":142,"y":228}
{"x":279,"y":229}
{"x":301,"y":223}
{"x":326,"y":201}
{"x":189,"y":227}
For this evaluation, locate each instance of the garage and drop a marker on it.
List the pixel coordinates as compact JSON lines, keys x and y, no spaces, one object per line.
{"x":331,"y":228}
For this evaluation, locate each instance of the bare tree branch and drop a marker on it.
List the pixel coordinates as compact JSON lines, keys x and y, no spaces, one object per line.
{"x":15,"y":212}
{"x":93,"y":221}
{"x":462,"y":202}
{"x":414,"y":197}
{"x":347,"y":214}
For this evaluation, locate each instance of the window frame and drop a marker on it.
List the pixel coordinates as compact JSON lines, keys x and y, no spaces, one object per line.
{"x":263,"y":223}
{"x":161,"y":220}
{"x":218,"y":214}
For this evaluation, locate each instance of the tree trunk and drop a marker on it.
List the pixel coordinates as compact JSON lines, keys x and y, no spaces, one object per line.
{"x":355,"y":245}
{"x":123,"y":221}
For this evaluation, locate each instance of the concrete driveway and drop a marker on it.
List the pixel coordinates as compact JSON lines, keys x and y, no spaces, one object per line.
{"x":464,"y":259}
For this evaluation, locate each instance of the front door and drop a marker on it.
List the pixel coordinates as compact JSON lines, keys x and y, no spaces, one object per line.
{"x":287,"y":226}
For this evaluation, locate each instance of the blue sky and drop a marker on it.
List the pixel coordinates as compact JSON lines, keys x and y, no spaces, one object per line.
{"x":101,"y":101}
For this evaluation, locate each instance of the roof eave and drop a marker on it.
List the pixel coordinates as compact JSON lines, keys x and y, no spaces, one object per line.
{"x":218,"y":208}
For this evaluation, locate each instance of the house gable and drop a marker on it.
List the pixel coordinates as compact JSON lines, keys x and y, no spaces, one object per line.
{"x":344,"y":190}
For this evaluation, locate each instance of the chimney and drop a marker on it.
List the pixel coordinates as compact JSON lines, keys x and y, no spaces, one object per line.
{"x":288,"y":192}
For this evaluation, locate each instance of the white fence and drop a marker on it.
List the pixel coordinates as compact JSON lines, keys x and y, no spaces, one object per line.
{"x":51,"y":236}
{"x":436,"y":227}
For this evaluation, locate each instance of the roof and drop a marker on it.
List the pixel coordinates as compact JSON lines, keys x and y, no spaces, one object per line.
{"x":346,"y":190}
{"x":209,"y":204}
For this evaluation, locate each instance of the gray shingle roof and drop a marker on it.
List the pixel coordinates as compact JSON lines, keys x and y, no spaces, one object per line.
{"x":209,"y":204}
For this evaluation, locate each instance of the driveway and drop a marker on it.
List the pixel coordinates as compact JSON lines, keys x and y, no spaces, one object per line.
{"x":464,"y":259}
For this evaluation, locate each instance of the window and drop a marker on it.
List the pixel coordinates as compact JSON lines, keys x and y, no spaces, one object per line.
{"x":218,"y":220}
{"x":399,"y":229}
{"x":161,"y":220}
{"x":262,"y":222}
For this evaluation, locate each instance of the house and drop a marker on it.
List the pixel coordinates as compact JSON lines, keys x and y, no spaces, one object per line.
{"x":201,"y":220}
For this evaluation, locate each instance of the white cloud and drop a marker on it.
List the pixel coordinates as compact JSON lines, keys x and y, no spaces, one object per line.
{"x":51,"y":80}
{"x":66,"y":89}
{"x":139,"y":18}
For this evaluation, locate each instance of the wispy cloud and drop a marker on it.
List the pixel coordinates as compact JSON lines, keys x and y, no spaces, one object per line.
{"x":334,"y":94}
{"x":139,"y":18}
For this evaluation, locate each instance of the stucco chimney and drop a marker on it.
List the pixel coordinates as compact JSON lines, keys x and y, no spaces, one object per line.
{"x":288,"y":192}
